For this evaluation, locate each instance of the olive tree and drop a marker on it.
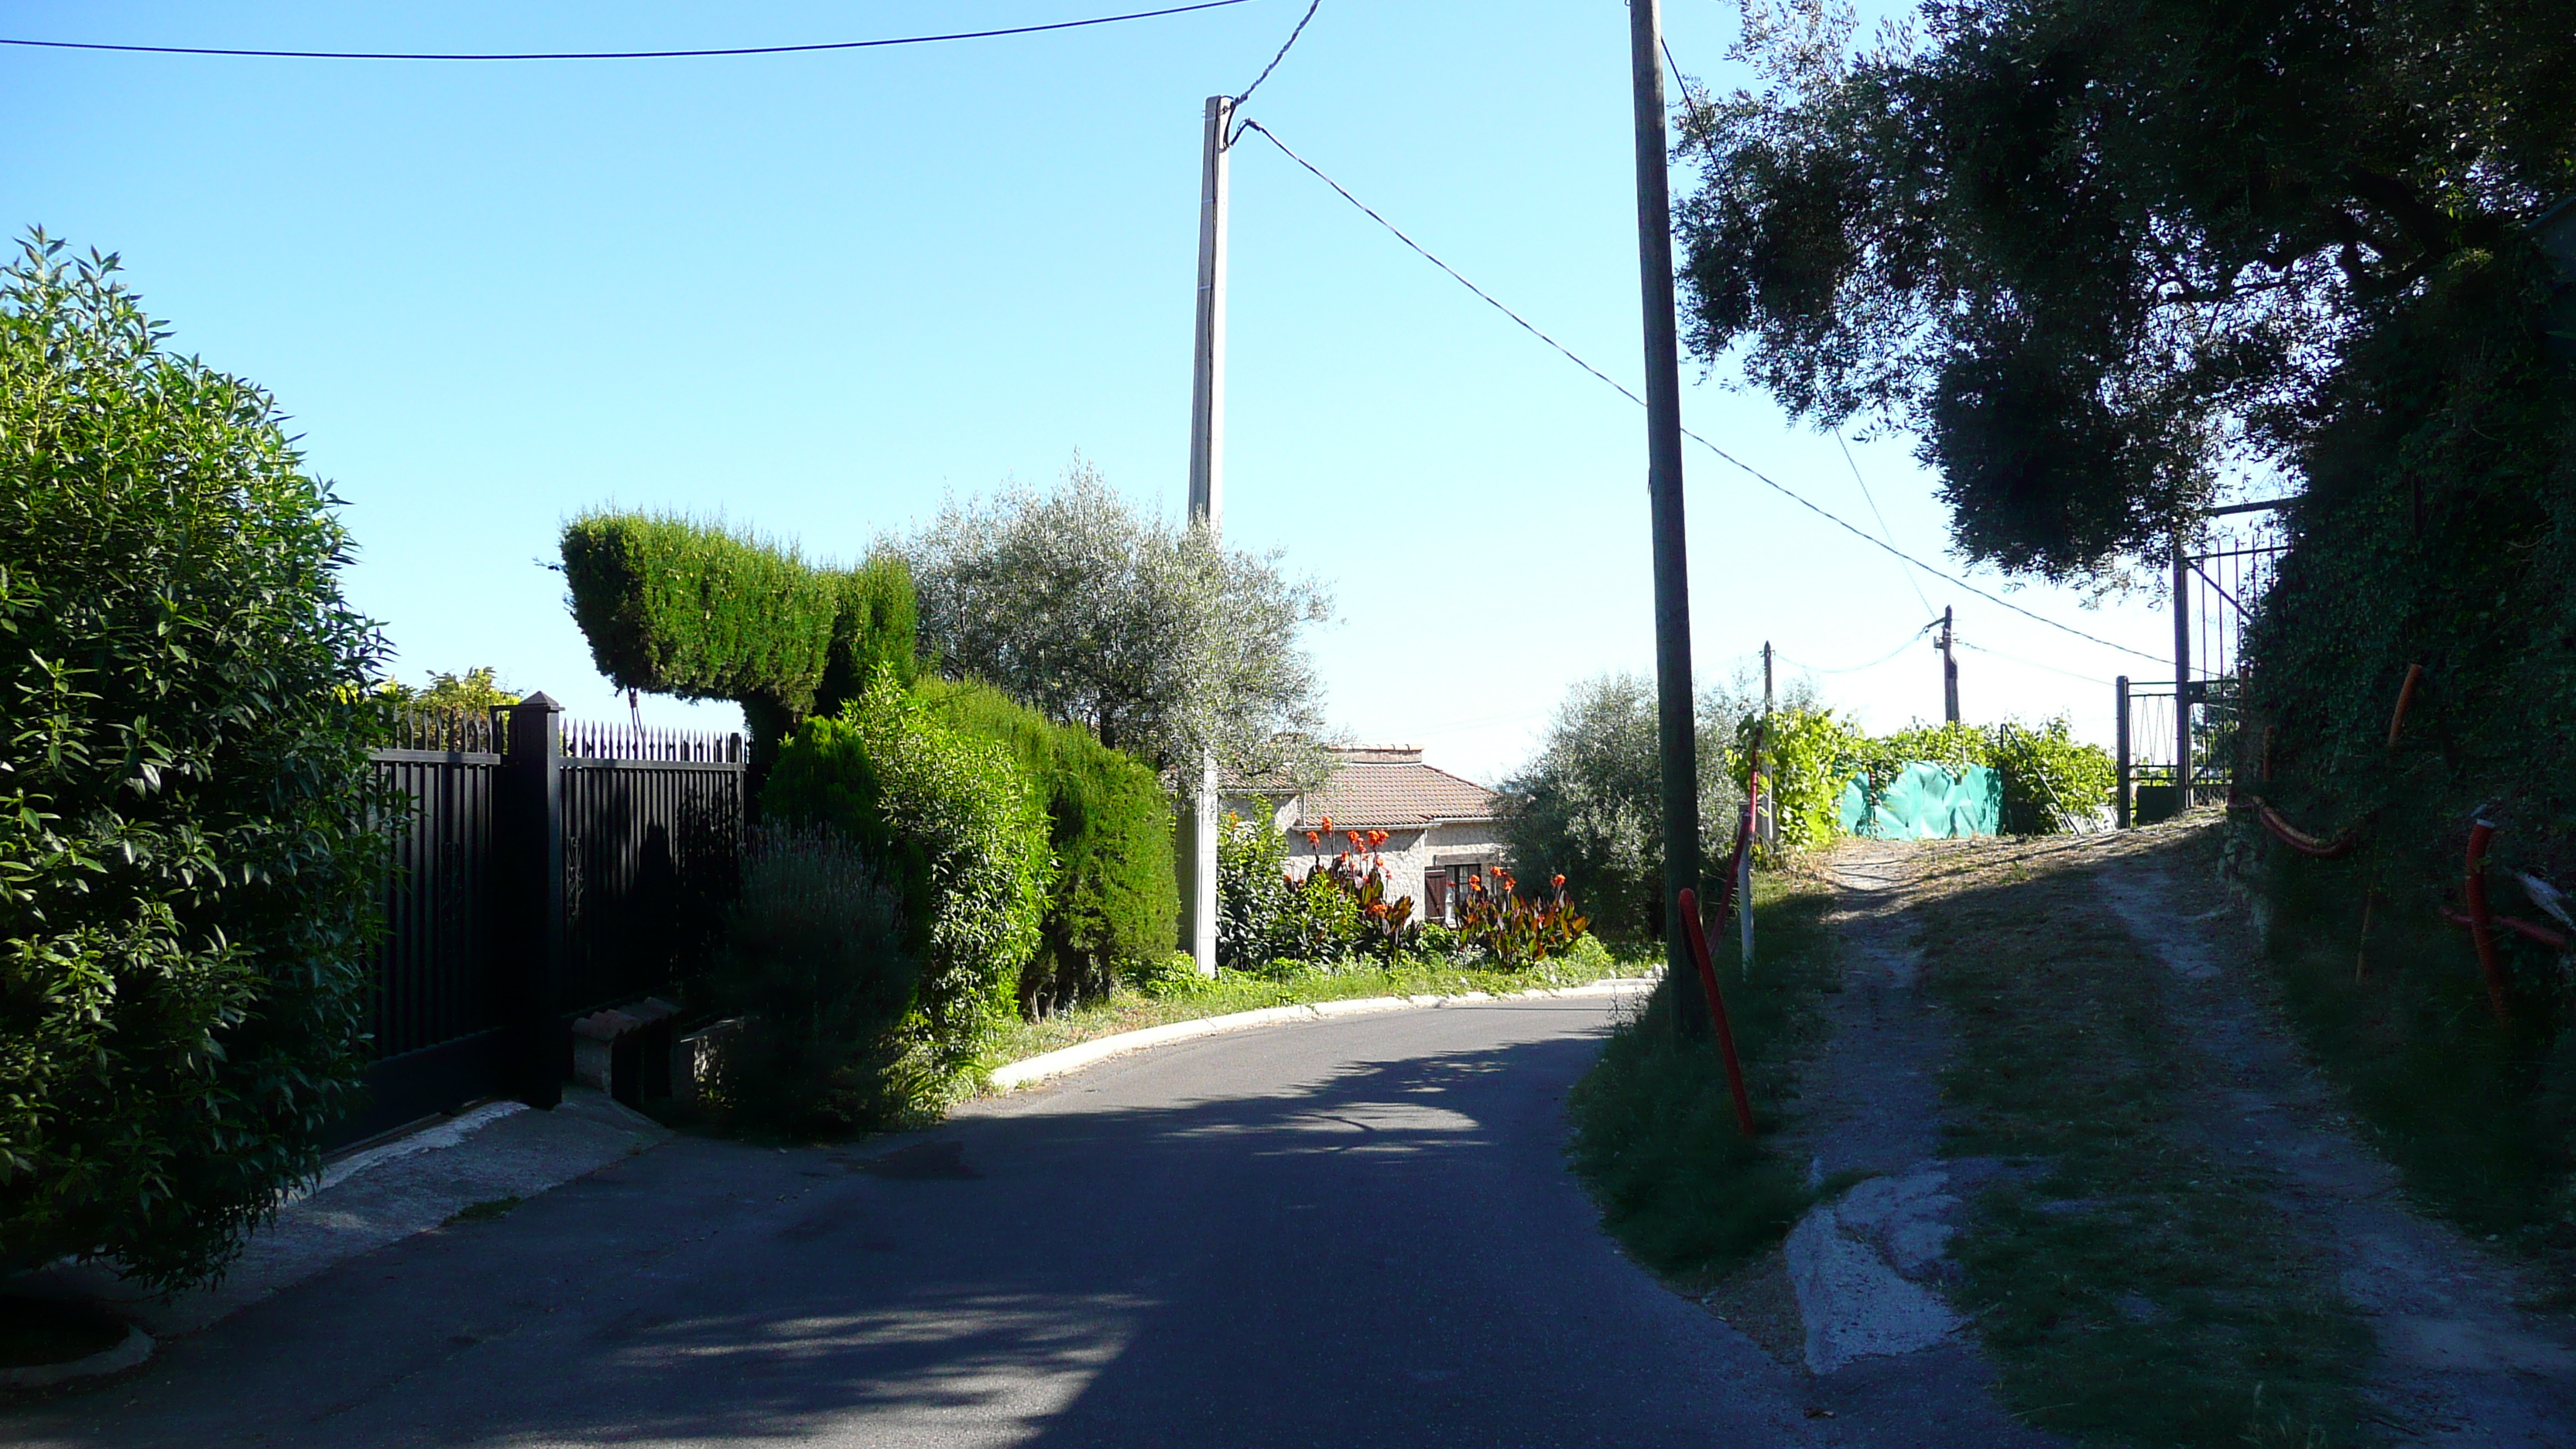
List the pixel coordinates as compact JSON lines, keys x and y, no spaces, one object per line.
{"x":1160,"y":639}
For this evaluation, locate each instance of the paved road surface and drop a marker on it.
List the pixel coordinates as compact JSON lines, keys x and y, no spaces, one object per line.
{"x":1356,"y":1232}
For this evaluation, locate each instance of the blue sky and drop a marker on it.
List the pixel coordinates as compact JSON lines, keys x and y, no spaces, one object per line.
{"x":815,"y":294}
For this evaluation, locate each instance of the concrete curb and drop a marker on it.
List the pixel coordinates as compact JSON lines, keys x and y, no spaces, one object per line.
{"x":135,"y":1349}
{"x":1031,"y":1070}
{"x":429,"y":1139}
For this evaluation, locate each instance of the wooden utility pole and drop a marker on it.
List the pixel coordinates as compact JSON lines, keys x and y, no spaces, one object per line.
{"x":1677,"y":744}
{"x":1949,"y":673}
{"x":1198,"y":815}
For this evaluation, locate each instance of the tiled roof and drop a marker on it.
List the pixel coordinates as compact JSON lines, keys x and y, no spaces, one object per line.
{"x":1384,"y":794}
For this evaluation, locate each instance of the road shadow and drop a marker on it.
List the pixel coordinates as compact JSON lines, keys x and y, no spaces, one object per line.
{"x":1379,"y":1250}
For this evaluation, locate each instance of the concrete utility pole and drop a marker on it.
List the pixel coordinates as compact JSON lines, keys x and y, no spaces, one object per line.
{"x":2182,"y":670}
{"x":1766,"y":821}
{"x":1677,"y":745}
{"x":1949,"y":673}
{"x":1198,"y":814}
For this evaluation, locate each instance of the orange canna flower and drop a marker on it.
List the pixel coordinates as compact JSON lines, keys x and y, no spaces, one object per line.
{"x":1314,"y":837}
{"x":1328,"y":822}
{"x":1559,"y":882}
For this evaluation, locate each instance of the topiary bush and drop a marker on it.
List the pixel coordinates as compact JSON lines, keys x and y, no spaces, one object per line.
{"x":963,"y":830}
{"x":684,"y":608}
{"x":189,"y":844}
{"x":1116,"y":902}
{"x":816,"y":958}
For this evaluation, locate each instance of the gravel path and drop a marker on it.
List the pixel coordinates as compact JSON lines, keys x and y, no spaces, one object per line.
{"x":2459,"y":1363}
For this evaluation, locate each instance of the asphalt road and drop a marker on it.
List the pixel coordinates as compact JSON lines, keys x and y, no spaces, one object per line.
{"x":1353,"y":1232}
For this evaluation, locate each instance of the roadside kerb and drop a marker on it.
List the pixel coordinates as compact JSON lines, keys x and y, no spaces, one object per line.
{"x":1031,"y":1070}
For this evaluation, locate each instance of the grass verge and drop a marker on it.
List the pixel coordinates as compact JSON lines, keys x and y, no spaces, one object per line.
{"x":2478,"y":1117}
{"x":1655,"y":1138}
{"x":2132,"y":1286}
{"x":1232,"y":991}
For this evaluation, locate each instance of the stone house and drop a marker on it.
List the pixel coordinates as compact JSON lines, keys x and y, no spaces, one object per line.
{"x":1439,"y":828}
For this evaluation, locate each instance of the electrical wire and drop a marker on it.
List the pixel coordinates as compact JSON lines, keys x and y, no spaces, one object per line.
{"x":1624,"y":391}
{"x":2030,"y":663}
{"x":1274,"y":60}
{"x":1910,"y":641}
{"x":630,"y":54}
{"x":1871,"y":499}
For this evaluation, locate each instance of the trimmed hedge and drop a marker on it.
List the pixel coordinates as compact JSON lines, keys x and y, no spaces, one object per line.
{"x":1116,"y":903}
{"x":190,"y":838}
{"x":684,"y":608}
{"x":963,"y":830}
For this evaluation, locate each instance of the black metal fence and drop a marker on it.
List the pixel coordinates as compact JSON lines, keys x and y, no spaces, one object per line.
{"x":546,"y":868}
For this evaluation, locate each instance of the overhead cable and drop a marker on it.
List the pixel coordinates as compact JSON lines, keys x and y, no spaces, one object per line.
{"x":1910,"y":641}
{"x":2031,"y":663}
{"x":1624,"y":391}
{"x":626,"y":54}
{"x":1274,"y":60}
{"x":1872,"y":500}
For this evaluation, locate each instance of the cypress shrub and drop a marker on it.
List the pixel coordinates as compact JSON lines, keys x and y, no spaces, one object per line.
{"x":816,"y":959}
{"x":1116,"y":904}
{"x":684,"y":608}
{"x":189,"y":844}
{"x":961,"y":827}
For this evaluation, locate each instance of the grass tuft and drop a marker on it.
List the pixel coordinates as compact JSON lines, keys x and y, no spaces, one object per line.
{"x":1655,"y":1137}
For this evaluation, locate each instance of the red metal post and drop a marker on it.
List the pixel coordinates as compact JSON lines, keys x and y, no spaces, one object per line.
{"x":1717,"y":1011}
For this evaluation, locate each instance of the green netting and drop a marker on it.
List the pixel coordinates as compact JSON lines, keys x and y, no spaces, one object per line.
{"x":1924,"y":802}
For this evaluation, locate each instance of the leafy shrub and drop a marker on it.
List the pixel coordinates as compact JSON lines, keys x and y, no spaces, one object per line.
{"x":675,"y":606}
{"x":1116,"y":902}
{"x":1803,"y":753}
{"x":1173,"y":973}
{"x":1589,"y":805}
{"x":962,"y":829}
{"x":1519,"y":933}
{"x":1252,"y":894}
{"x":188,"y":834}
{"x":478,"y":691}
{"x":816,"y":957}
{"x":2052,"y":782}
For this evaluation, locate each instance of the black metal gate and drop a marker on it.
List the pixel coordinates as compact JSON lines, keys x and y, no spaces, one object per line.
{"x":545,"y":868}
{"x":2177,"y":738}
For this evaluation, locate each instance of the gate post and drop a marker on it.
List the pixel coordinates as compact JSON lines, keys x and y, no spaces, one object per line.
{"x":2120,"y":791}
{"x":531,"y":914}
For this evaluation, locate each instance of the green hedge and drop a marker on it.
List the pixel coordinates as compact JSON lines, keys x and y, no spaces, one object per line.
{"x":684,"y":608}
{"x":1116,"y":903}
{"x":189,"y":842}
{"x":963,"y":830}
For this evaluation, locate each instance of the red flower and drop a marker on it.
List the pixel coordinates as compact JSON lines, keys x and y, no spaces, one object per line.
{"x":1314,"y":838}
{"x":1328,"y":822}
{"x":1559,"y":882}
{"x":1476,"y":881}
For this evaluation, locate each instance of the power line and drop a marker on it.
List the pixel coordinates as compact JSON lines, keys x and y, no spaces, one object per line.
{"x":1274,"y":60}
{"x":628,"y":54}
{"x":1755,"y":473}
{"x":1909,"y":643}
{"x":2032,"y":663}
{"x":1872,"y":500}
